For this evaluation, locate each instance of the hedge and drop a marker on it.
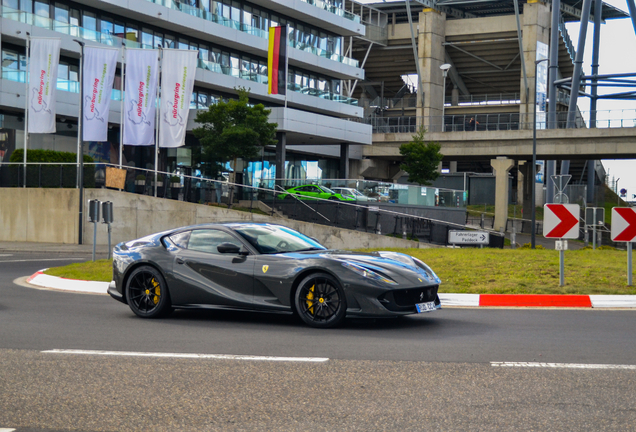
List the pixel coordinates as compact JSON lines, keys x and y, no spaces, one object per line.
{"x":53,"y":175}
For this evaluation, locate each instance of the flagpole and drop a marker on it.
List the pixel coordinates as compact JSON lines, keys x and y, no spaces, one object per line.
{"x":286,"y":64}
{"x":26,"y":109}
{"x":121,"y":117}
{"x":80,"y":142}
{"x":157,"y":118}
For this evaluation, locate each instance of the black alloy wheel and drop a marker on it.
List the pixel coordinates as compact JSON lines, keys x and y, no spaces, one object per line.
{"x":320,"y":301}
{"x":147,"y":293}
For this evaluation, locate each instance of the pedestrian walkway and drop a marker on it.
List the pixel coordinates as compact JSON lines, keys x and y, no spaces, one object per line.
{"x":54,"y":248}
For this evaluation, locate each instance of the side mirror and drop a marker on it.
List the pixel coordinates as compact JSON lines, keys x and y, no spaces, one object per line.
{"x":228,"y":248}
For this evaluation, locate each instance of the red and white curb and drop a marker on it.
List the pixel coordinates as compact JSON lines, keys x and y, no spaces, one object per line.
{"x":539,"y":300}
{"x":467,"y":300}
{"x":53,"y":282}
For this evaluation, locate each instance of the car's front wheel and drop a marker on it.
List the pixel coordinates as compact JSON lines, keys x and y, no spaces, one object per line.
{"x":147,"y":293}
{"x":320,"y":301}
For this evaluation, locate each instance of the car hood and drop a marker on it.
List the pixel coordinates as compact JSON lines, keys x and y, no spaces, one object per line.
{"x":398,"y":266}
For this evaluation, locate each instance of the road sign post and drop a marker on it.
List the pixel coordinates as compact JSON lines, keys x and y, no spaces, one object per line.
{"x":561,"y":221}
{"x":624,"y":230}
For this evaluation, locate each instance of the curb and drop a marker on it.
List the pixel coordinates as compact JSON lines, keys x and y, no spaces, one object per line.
{"x":465,"y":300}
{"x":72,"y":285}
{"x":539,"y":300}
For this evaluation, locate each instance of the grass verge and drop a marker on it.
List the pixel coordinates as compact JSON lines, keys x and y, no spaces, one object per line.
{"x":100,"y":270}
{"x":481,"y":271}
{"x":526,"y":271}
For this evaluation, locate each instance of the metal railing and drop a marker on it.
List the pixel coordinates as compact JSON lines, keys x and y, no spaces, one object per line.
{"x":381,"y":217}
{"x":110,"y":40}
{"x":485,"y":99}
{"x":498,"y":122}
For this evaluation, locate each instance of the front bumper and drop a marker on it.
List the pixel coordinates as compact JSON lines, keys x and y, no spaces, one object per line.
{"x":112,"y":290}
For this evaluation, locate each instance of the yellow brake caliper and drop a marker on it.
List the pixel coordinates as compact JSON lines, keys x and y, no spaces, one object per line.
{"x":310,"y":296}
{"x":157,"y":290}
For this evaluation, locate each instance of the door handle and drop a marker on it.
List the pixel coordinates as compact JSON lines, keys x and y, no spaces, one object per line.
{"x":180,"y":261}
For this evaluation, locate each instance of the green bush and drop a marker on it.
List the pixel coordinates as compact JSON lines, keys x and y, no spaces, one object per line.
{"x":54,"y":175}
{"x":140,"y":177}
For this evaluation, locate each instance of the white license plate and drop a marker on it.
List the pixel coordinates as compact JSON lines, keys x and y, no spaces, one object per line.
{"x":425,"y":307}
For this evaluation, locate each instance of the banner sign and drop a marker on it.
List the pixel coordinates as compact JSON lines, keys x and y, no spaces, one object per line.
{"x":541,"y":89}
{"x":98,"y":75}
{"x":43,"y":63}
{"x":142,"y":72}
{"x":177,"y":83}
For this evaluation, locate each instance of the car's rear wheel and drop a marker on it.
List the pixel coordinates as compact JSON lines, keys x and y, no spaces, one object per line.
{"x":320,"y":301}
{"x":147,"y":293}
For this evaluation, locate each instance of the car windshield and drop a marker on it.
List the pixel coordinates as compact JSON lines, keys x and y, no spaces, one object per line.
{"x":273,"y":239}
{"x":326,"y":189}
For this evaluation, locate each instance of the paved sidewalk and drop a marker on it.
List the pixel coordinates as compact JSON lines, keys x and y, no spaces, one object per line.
{"x":56,"y":248}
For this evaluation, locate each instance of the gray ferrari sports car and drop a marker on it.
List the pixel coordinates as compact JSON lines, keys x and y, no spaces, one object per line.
{"x":266,"y":267}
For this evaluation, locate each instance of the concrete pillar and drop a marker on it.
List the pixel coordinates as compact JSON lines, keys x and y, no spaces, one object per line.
{"x":501,"y":166}
{"x":453,"y":167}
{"x":455,"y":97}
{"x":526,"y":183}
{"x":344,"y":161}
{"x":520,"y":177}
{"x":432,"y":33}
{"x":280,"y":157}
{"x":535,"y":24}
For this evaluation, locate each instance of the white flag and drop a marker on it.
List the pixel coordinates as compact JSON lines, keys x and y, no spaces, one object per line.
{"x":43,"y":63}
{"x":177,"y":81}
{"x":142,"y":66}
{"x":98,"y":75}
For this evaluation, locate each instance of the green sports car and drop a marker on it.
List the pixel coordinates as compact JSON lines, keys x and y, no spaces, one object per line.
{"x":313,"y":192}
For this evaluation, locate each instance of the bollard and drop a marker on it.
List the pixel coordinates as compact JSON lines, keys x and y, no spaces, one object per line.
{"x":107,"y":218}
{"x":93,"y":217}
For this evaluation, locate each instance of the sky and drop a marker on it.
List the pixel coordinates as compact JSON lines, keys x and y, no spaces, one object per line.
{"x":617,"y":55}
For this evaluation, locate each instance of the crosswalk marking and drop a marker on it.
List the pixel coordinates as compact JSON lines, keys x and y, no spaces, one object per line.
{"x":190,"y":356}
{"x":562,"y":365}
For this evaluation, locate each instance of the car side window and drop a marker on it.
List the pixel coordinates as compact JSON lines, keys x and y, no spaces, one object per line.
{"x":207,"y":240}
{"x":181,"y":239}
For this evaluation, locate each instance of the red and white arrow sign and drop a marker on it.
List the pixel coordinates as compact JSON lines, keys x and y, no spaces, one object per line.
{"x":561,"y":221}
{"x":623,"y":224}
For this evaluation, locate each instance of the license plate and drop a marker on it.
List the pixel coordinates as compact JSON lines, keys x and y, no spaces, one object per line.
{"x":425,"y":307}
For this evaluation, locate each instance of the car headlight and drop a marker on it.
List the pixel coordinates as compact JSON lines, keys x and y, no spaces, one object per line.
{"x":369,"y":274}
{"x":427,"y":270}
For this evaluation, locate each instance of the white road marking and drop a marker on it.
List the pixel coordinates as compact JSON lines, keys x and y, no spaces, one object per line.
{"x":191,"y":356}
{"x":6,"y":430}
{"x":562,"y":365}
{"x":4,"y":255}
{"x":47,"y":259}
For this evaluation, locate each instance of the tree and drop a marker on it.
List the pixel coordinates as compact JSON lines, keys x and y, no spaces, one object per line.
{"x":234,"y":129}
{"x":421,"y":159}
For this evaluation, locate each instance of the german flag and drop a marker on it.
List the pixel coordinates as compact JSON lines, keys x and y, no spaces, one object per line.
{"x":277,"y":60}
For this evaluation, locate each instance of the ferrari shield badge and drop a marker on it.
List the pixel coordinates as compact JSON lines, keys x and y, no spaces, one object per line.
{"x":265,"y":268}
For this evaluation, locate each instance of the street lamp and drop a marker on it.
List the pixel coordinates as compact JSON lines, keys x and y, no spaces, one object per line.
{"x":445,"y":67}
{"x":534,"y":159}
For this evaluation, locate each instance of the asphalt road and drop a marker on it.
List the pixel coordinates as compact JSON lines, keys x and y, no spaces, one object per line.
{"x":436,"y":371}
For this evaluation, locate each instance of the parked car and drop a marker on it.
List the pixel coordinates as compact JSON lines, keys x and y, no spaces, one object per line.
{"x":313,"y":192}
{"x":267,"y":267}
{"x":353,"y":193}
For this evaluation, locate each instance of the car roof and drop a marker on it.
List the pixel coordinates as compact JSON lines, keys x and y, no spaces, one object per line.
{"x":228,"y":224}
